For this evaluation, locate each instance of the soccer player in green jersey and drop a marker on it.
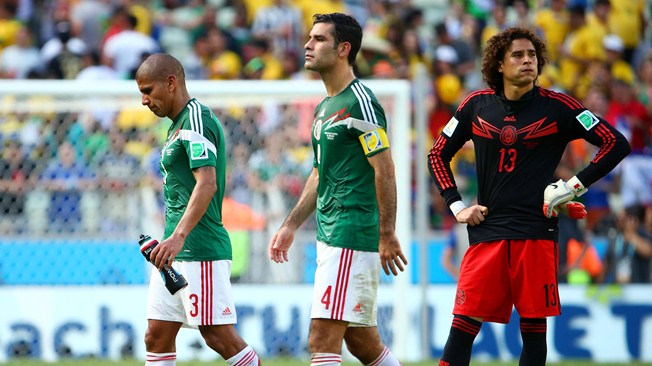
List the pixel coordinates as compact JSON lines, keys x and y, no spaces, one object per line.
{"x":353,"y":188}
{"x":193,"y":163}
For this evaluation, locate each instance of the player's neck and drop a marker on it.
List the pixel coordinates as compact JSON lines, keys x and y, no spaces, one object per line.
{"x":180,"y":103}
{"x":515,"y":92}
{"x":337,"y":79}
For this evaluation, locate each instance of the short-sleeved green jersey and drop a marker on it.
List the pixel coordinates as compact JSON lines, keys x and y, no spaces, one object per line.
{"x":195,"y":139}
{"x":348,"y":128}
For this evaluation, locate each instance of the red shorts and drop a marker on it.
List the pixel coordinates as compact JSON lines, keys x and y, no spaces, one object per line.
{"x":494,"y":276}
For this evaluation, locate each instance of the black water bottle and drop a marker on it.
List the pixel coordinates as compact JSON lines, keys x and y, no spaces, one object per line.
{"x":174,"y":281}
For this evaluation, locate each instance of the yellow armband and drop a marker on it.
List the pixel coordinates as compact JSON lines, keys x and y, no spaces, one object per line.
{"x":373,"y":141}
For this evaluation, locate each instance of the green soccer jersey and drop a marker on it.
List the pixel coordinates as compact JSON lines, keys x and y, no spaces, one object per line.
{"x":195,"y":139}
{"x":348,"y":128}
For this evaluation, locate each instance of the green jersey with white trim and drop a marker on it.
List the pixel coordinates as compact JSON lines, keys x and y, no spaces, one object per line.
{"x":195,"y":139}
{"x":348,"y":128}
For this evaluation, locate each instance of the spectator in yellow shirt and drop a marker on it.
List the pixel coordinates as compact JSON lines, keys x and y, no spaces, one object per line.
{"x":627,"y":20}
{"x":620,"y":69}
{"x":224,"y":64}
{"x":579,"y":49}
{"x":553,"y":24}
{"x":598,"y":19}
{"x":262,"y":63}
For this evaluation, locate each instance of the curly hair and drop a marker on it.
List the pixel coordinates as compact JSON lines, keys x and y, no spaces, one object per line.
{"x":495,"y":50}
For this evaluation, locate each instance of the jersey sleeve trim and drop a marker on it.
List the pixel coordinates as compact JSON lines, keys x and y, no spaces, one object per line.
{"x":569,"y":101}
{"x":195,"y":116}
{"x":366,"y":106}
{"x":197,"y":140}
{"x":474,"y":94}
{"x":438,"y":167}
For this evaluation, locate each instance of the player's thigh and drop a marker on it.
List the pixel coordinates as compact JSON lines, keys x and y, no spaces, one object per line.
{"x":208,"y":298}
{"x":224,"y":339}
{"x":161,"y":305}
{"x":534,"y":268}
{"x":326,"y":335}
{"x":483,"y":289}
{"x":346,"y":285}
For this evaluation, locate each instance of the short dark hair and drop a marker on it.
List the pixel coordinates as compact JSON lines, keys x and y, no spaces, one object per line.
{"x":345,"y":29}
{"x":496,"y":48}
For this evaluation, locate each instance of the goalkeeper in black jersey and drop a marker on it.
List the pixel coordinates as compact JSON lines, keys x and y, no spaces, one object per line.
{"x":519,"y":132}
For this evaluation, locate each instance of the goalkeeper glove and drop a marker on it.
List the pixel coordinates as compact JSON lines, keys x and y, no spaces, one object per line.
{"x":561,"y":192}
{"x":572,"y":209}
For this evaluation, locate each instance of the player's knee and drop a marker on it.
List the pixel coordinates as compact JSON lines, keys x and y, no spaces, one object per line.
{"x":152,"y":343}
{"x":223,"y":339}
{"x":315,"y":344}
{"x":324,"y":343}
{"x":365,"y":350}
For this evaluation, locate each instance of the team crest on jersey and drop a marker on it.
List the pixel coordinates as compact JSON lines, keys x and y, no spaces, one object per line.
{"x":587,"y":119}
{"x":450,"y":127}
{"x":316,"y":130}
{"x":460,"y":297}
{"x":508,"y":135}
{"x":198,"y":150}
{"x":374,"y":141}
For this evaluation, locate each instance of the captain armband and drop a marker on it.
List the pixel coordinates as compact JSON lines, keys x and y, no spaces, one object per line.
{"x":373,"y":141}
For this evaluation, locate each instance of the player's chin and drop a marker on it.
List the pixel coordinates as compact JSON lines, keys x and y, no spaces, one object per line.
{"x":156,"y":111}
{"x":309,"y":65}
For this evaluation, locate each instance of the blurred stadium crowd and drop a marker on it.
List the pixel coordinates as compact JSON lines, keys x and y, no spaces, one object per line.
{"x":60,"y":169}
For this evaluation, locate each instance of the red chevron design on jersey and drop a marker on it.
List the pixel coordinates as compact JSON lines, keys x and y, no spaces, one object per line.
{"x":337,"y":116}
{"x":534,"y":130}
{"x":484,"y":129}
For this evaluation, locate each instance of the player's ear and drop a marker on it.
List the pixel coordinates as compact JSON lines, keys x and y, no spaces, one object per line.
{"x":344,"y":48}
{"x":171,"y":82}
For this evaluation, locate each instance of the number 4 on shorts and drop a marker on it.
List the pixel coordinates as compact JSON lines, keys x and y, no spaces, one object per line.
{"x":326,"y":297}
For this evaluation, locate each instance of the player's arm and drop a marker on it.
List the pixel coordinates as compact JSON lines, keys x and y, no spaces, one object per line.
{"x":200,"y":199}
{"x":613,"y":148}
{"x":389,"y":248}
{"x":454,"y":135}
{"x":282,"y":240}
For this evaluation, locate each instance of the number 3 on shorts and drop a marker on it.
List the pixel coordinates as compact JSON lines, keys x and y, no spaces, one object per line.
{"x":326,"y":297}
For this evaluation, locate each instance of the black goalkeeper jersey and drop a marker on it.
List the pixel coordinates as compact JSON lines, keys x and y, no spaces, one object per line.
{"x":518,"y":145}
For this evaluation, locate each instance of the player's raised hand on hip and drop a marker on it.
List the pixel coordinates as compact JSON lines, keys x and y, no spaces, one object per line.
{"x":473,"y":215}
{"x":391,"y":255}
{"x":280,"y":244}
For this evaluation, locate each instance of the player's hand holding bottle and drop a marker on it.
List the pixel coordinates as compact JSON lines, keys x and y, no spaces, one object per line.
{"x":174,"y":281}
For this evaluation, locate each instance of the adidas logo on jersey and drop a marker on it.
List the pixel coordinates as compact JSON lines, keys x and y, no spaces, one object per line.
{"x":226,"y":311}
{"x":510,"y":118}
{"x":357,"y":308}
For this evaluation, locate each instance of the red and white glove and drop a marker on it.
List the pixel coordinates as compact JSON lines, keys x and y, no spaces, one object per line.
{"x":574,"y":210}
{"x":558,"y":195}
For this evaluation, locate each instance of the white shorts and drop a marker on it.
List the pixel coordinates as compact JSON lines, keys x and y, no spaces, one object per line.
{"x":346,"y":284}
{"x":207,"y":300}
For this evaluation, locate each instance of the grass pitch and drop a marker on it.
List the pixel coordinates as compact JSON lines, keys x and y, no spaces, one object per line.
{"x":272,"y":362}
